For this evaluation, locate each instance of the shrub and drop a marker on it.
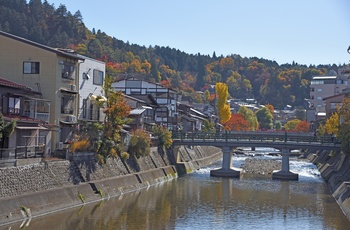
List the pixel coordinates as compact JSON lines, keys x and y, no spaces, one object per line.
{"x":140,"y":143}
{"x":164,"y":136}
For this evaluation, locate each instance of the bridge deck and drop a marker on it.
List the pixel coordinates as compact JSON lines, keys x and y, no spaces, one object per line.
{"x":257,"y":139}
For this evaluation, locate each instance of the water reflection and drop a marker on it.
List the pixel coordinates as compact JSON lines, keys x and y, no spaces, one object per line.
{"x":204,"y":202}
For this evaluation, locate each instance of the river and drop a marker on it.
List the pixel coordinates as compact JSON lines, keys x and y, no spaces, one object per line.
{"x":198,"y":201}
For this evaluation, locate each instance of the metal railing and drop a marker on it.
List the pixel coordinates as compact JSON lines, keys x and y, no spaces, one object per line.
{"x":253,"y":136}
{"x":21,"y":152}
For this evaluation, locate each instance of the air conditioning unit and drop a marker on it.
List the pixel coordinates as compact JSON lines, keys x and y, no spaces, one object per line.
{"x":71,"y":118}
{"x":60,"y":145}
{"x":73,"y":87}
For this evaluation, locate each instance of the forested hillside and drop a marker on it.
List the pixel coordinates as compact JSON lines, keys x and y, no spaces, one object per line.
{"x":264,"y":80}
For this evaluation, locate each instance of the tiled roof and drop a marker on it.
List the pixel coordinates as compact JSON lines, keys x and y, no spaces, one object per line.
{"x":12,"y":84}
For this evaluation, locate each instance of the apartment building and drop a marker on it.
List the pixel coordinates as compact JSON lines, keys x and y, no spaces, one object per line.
{"x":51,"y":72}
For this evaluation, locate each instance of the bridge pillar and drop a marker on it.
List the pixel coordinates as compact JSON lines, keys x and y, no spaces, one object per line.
{"x":226,"y":170}
{"x":284,"y":173}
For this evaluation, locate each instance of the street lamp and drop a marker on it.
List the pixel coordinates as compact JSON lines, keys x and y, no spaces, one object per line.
{"x":348,"y":49}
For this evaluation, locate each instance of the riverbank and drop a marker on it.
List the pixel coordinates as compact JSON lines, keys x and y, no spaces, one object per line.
{"x":31,"y":190}
{"x":334,"y":168}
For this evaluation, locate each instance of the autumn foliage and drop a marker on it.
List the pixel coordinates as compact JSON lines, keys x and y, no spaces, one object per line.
{"x":297,"y":125}
{"x":237,"y":123}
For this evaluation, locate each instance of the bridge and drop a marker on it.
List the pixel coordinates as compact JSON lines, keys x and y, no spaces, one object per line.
{"x":283,"y":141}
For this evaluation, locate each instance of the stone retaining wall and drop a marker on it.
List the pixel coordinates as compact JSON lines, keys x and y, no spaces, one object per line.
{"x":50,"y":186}
{"x":335,"y":170}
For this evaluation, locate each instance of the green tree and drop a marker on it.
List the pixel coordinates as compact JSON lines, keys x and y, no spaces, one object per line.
{"x":140,"y":143}
{"x":164,"y":136}
{"x":6,"y":129}
{"x":206,"y":96}
{"x":208,"y":126}
{"x":250,"y":117}
{"x":265,"y":118}
{"x":278,"y":125}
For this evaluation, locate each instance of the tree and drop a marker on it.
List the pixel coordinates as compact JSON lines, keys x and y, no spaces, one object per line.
{"x":224,"y":111}
{"x":237,"y":123}
{"x":300,"y":114}
{"x":117,"y":112}
{"x":303,"y":126}
{"x":6,"y":129}
{"x":265,"y":118}
{"x":278,"y":125}
{"x":291,"y":125}
{"x":208,"y":126}
{"x":140,"y":143}
{"x":271,"y":108}
{"x":250,"y":117}
{"x":164,"y":136}
{"x":332,"y":124}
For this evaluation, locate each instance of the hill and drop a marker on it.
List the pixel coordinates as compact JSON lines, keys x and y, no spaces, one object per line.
{"x":262,"y":79}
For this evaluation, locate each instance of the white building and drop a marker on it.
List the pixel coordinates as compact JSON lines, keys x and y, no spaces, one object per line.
{"x":91,"y":80}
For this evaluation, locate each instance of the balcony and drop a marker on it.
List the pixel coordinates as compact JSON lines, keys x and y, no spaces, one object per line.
{"x":40,"y":116}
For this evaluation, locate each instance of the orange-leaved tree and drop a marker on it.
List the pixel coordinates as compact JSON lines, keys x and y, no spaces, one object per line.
{"x":117,"y":112}
{"x":224,"y":111}
{"x":237,"y":123}
{"x":302,"y":126}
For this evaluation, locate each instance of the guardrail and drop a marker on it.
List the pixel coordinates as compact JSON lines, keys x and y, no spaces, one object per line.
{"x":254,"y":136}
{"x":21,"y":152}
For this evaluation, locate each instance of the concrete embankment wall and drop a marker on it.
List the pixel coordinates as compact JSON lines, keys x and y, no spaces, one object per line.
{"x":335,"y":170}
{"x":49,"y":186}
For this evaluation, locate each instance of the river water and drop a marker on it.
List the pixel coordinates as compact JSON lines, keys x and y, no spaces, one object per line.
{"x":198,"y":201}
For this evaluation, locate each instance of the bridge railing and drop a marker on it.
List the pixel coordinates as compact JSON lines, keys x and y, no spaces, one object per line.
{"x":252,"y":136}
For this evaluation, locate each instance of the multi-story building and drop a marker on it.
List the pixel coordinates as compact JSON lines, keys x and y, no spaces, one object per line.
{"x":91,"y":81}
{"x":166,"y":98}
{"x":31,"y":112}
{"x":320,"y":88}
{"x":52,"y":72}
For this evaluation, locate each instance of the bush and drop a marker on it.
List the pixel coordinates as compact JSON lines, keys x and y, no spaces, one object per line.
{"x":164,"y":136}
{"x":140,"y":143}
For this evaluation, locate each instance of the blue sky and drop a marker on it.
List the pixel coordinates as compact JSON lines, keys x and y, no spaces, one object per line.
{"x":304,"y":31}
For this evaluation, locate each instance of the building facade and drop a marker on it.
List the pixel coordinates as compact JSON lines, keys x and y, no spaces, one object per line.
{"x":51,"y":72}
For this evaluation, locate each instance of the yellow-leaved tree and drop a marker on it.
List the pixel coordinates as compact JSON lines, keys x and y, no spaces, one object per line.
{"x":332,"y":124}
{"x":224,"y":111}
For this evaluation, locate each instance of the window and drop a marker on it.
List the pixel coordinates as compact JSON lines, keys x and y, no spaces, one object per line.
{"x":319,"y":98}
{"x":84,"y":107}
{"x":319,"y":90}
{"x":31,"y":67}
{"x":67,"y":104}
{"x":98,"y":77}
{"x":14,"y":105}
{"x":67,"y":70}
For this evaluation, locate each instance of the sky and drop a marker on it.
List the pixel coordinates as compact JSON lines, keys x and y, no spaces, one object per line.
{"x":304,"y":31}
